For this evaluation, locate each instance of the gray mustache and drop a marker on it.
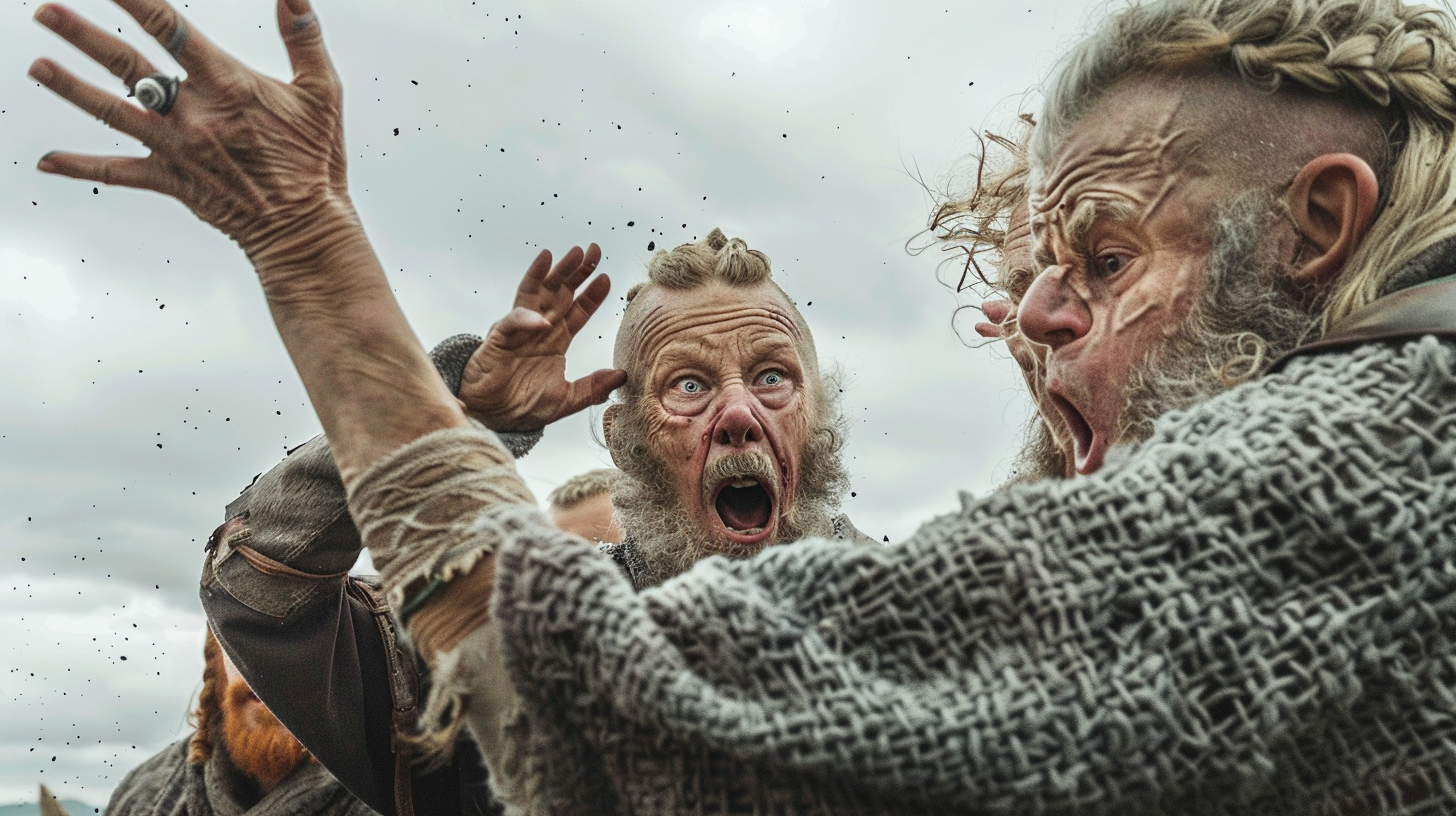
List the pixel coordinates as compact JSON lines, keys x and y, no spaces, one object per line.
{"x":750,"y":464}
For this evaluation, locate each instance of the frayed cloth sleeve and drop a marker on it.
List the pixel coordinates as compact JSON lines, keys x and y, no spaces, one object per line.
{"x":420,"y":508}
{"x":435,"y":511}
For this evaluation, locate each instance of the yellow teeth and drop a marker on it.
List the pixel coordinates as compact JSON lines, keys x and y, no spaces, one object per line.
{"x":743,"y":483}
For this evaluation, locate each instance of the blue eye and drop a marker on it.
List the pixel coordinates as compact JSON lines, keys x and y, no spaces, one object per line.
{"x":771,"y":378}
{"x":690,"y":386}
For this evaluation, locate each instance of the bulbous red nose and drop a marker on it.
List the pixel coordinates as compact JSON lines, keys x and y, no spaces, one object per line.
{"x":1051,"y":311}
{"x":737,"y":426}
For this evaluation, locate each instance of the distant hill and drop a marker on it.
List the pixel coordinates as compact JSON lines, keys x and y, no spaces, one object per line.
{"x":32,"y":809}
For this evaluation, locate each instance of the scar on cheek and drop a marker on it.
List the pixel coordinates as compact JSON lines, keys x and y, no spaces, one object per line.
{"x":1127,"y":317}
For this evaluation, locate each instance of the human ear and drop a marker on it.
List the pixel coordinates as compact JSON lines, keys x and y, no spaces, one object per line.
{"x":609,"y":416}
{"x":1332,"y":202}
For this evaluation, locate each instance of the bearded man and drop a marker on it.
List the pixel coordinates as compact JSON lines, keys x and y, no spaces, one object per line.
{"x":240,"y":760}
{"x":741,"y":453}
{"x":1247,"y":611}
{"x":727,"y":432}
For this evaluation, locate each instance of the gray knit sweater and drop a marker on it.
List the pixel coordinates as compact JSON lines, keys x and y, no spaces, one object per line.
{"x":1253,"y":612}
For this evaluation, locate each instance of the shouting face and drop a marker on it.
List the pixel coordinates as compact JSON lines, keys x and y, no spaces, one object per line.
{"x":725,"y":444}
{"x":1123,"y":239}
{"x":727,"y":406}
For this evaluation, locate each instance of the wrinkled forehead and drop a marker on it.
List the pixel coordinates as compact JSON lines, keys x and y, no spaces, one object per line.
{"x":1131,"y":151}
{"x":709,"y":316}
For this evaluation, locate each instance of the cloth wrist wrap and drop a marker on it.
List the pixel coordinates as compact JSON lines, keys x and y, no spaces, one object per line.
{"x":419,"y":509}
{"x":291,"y":528}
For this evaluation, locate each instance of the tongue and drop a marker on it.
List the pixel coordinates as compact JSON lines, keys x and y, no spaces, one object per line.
{"x":744,"y":508}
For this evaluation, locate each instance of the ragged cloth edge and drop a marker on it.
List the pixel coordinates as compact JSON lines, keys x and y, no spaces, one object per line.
{"x":417,"y":507}
{"x":443,"y":713}
{"x":429,"y":511}
{"x":470,"y":686}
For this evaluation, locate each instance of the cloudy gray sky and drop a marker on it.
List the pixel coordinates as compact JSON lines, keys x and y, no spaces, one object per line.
{"x":142,"y":385}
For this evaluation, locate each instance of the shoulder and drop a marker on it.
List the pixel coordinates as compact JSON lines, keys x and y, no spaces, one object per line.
{"x":1330,"y":400}
{"x":154,"y":787}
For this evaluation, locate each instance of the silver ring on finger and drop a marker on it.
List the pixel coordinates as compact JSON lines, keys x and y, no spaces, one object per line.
{"x":157,"y":92}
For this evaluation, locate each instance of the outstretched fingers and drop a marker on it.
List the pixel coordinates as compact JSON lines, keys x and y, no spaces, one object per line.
{"x":113,"y":170}
{"x":304,"y":42}
{"x":185,"y":43}
{"x":590,"y":258}
{"x":113,"y":111}
{"x":996,"y":312}
{"x":537,"y":271}
{"x":587,"y":303}
{"x":109,"y":51}
{"x":565,"y":268}
{"x":593,"y":389}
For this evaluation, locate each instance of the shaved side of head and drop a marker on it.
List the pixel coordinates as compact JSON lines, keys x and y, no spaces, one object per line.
{"x":1261,"y":139}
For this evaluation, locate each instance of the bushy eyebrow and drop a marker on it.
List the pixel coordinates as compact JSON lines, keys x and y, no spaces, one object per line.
{"x":1087,"y":213}
{"x":678,"y":355}
{"x":1090,"y":211}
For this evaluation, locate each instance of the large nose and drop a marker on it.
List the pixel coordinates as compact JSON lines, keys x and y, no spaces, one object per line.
{"x":737,"y":426}
{"x":1051,"y":312}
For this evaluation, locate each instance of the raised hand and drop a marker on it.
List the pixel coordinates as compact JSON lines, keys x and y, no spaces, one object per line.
{"x":256,"y":158}
{"x":263,"y":161}
{"x":516,"y":380}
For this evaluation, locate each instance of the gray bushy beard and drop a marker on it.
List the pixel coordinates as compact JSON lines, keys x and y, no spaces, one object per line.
{"x":654,"y":519}
{"x":1247,"y":317}
{"x":1040,"y":457}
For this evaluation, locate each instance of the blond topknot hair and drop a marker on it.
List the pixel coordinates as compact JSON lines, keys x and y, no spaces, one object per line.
{"x":715,"y":259}
{"x":1398,"y":61}
{"x":583,"y":486}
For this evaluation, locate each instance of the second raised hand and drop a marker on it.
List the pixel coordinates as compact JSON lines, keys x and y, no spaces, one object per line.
{"x":516,"y":380}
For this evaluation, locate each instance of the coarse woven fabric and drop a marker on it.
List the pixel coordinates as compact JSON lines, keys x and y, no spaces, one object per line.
{"x":1253,"y":612}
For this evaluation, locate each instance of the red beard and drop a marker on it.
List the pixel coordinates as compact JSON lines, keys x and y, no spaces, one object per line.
{"x":257,"y":743}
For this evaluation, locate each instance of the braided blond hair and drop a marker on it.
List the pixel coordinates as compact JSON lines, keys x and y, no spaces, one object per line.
{"x":1396,"y":60}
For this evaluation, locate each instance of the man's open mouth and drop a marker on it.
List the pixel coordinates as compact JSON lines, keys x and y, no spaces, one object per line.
{"x":1088,"y":447}
{"x":745,"y":507}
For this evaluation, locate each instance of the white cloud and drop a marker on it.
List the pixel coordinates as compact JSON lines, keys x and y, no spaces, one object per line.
{"x":37,"y":284}
{"x":767,"y":29}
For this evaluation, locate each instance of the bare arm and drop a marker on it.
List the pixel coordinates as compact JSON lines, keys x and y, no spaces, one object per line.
{"x":264,"y":162}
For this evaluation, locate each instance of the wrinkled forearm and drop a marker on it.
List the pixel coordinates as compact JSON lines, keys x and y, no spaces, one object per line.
{"x":366,"y":374}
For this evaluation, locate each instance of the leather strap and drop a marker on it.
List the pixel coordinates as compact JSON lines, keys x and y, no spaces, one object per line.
{"x":403,"y":689}
{"x":1429,"y":308}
